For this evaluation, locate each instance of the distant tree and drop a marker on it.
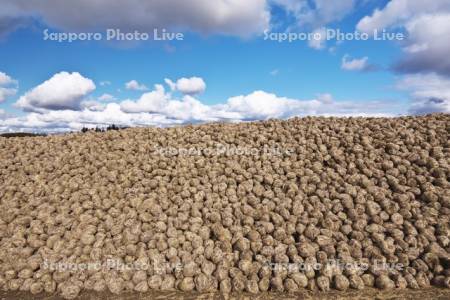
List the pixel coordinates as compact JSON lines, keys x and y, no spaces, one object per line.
{"x":102,"y":129}
{"x":21,"y":134}
{"x":112,"y":127}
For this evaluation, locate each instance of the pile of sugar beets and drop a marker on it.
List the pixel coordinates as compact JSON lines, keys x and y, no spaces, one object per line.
{"x":303,"y":204}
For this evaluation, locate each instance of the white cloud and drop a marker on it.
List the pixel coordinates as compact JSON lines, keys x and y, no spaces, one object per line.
{"x":5,"y":115}
{"x":106,"y":97}
{"x":427,"y":25}
{"x":319,"y":39}
{"x":151,"y":102}
{"x":66,"y":120}
{"x":92,"y":105}
{"x":261,"y":105}
{"x":187,"y":86}
{"x":188,"y":109}
{"x":135,"y":86}
{"x":427,"y":48}
{"x":63,"y":91}
{"x":254,"y":106}
{"x":6,"y":93}
{"x":159,"y":108}
{"x":191,"y":86}
{"x":429,"y":92}
{"x":355,"y":64}
{"x":172,"y":85}
{"x":5,"y":80}
{"x":235,"y":17}
{"x":398,"y":12}
{"x":325,"y":98}
{"x":8,"y":86}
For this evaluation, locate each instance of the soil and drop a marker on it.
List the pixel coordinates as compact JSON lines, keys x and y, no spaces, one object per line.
{"x":366,"y":294}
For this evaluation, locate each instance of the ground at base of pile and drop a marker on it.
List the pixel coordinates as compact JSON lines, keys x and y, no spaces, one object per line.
{"x":368,"y":293}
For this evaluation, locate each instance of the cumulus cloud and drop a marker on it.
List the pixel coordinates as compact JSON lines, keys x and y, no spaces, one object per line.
{"x":151,"y":102}
{"x":187,"y":86}
{"x":160,"y":108}
{"x":61,"y":104}
{"x":398,"y":12}
{"x":67,"y":120}
{"x":261,"y":105}
{"x":427,"y":49}
{"x":430,"y":93}
{"x":356,"y":64}
{"x":258,"y":105}
{"x":6,"y":93}
{"x":8,"y":86}
{"x":5,"y":80}
{"x":5,"y":114}
{"x":135,"y":86}
{"x":427,"y":25}
{"x":63,"y":91}
{"x":235,"y":17}
{"x":92,"y":105}
{"x":187,"y":109}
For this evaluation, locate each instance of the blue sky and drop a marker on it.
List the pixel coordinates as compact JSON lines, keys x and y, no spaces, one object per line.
{"x":231,"y":58}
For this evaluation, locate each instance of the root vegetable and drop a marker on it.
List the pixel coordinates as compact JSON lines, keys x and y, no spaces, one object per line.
{"x":352,"y":190}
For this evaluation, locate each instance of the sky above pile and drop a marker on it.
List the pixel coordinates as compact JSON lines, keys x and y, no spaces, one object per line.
{"x":231,"y":62}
